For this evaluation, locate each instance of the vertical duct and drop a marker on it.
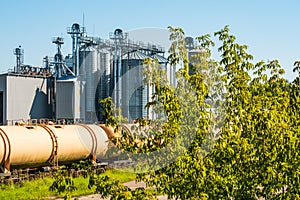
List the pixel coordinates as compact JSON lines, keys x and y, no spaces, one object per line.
{"x":76,"y":32}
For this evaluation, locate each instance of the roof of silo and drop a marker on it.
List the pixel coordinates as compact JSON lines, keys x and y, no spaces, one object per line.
{"x":135,"y":55}
{"x":89,"y":48}
{"x":103,"y":51}
{"x":160,"y":59}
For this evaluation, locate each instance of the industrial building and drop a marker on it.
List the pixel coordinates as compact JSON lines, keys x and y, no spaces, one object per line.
{"x":69,"y":87}
{"x":23,"y":97}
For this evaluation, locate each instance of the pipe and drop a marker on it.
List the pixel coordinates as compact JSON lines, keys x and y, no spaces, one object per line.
{"x":94,"y":141}
{"x":41,"y":145}
{"x":52,"y":160}
{"x":108,"y":130}
{"x":29,"y":146}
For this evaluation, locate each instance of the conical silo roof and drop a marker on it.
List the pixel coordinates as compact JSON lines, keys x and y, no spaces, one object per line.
{"x":160,"y":59}
{"x":135,"y":55}
{"x":89,"y":48}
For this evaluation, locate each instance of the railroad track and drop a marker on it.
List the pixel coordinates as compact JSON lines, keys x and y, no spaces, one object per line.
{"x":18,"y":175}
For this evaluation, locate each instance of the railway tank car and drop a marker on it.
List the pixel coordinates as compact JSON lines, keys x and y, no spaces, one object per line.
{"x":44,"y":144}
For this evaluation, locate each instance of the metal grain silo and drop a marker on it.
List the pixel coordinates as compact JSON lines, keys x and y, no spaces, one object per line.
{"x":88,"y":72}
{"x":134,"y":94}
{"x":103,"y":80}
{"x":164,"y":63}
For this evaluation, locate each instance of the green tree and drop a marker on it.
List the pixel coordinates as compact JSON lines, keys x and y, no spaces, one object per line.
{"x":256,"y":151}
{"x":258,"y":139}
{"x":63,"y":183}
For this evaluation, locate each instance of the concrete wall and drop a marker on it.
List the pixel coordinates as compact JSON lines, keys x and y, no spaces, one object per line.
{"x":26,"y":98}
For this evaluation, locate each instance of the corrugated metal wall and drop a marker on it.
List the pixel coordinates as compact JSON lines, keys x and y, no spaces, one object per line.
{"x":26,"y":98}
{"x":132,"y":89}
{"x":89,"y":69}
{"x":65,"y":100}
{"x":68,"y":99}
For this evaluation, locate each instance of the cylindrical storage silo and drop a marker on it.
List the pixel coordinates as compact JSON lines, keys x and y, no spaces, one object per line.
{"x":102,"y":79}
{"x":89,"y":65}
{"x":133,"y":93}
{"x":29,"y":146}
{"x":163,"y":62}
{"x":104,"y":71}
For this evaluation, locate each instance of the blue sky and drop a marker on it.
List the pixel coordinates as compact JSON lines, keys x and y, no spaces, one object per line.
{"x":271,"y":29}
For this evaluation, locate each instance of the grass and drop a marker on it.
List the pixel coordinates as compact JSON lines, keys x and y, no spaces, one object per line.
{"x":39,"y":189}
{"x":122,"y":176}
